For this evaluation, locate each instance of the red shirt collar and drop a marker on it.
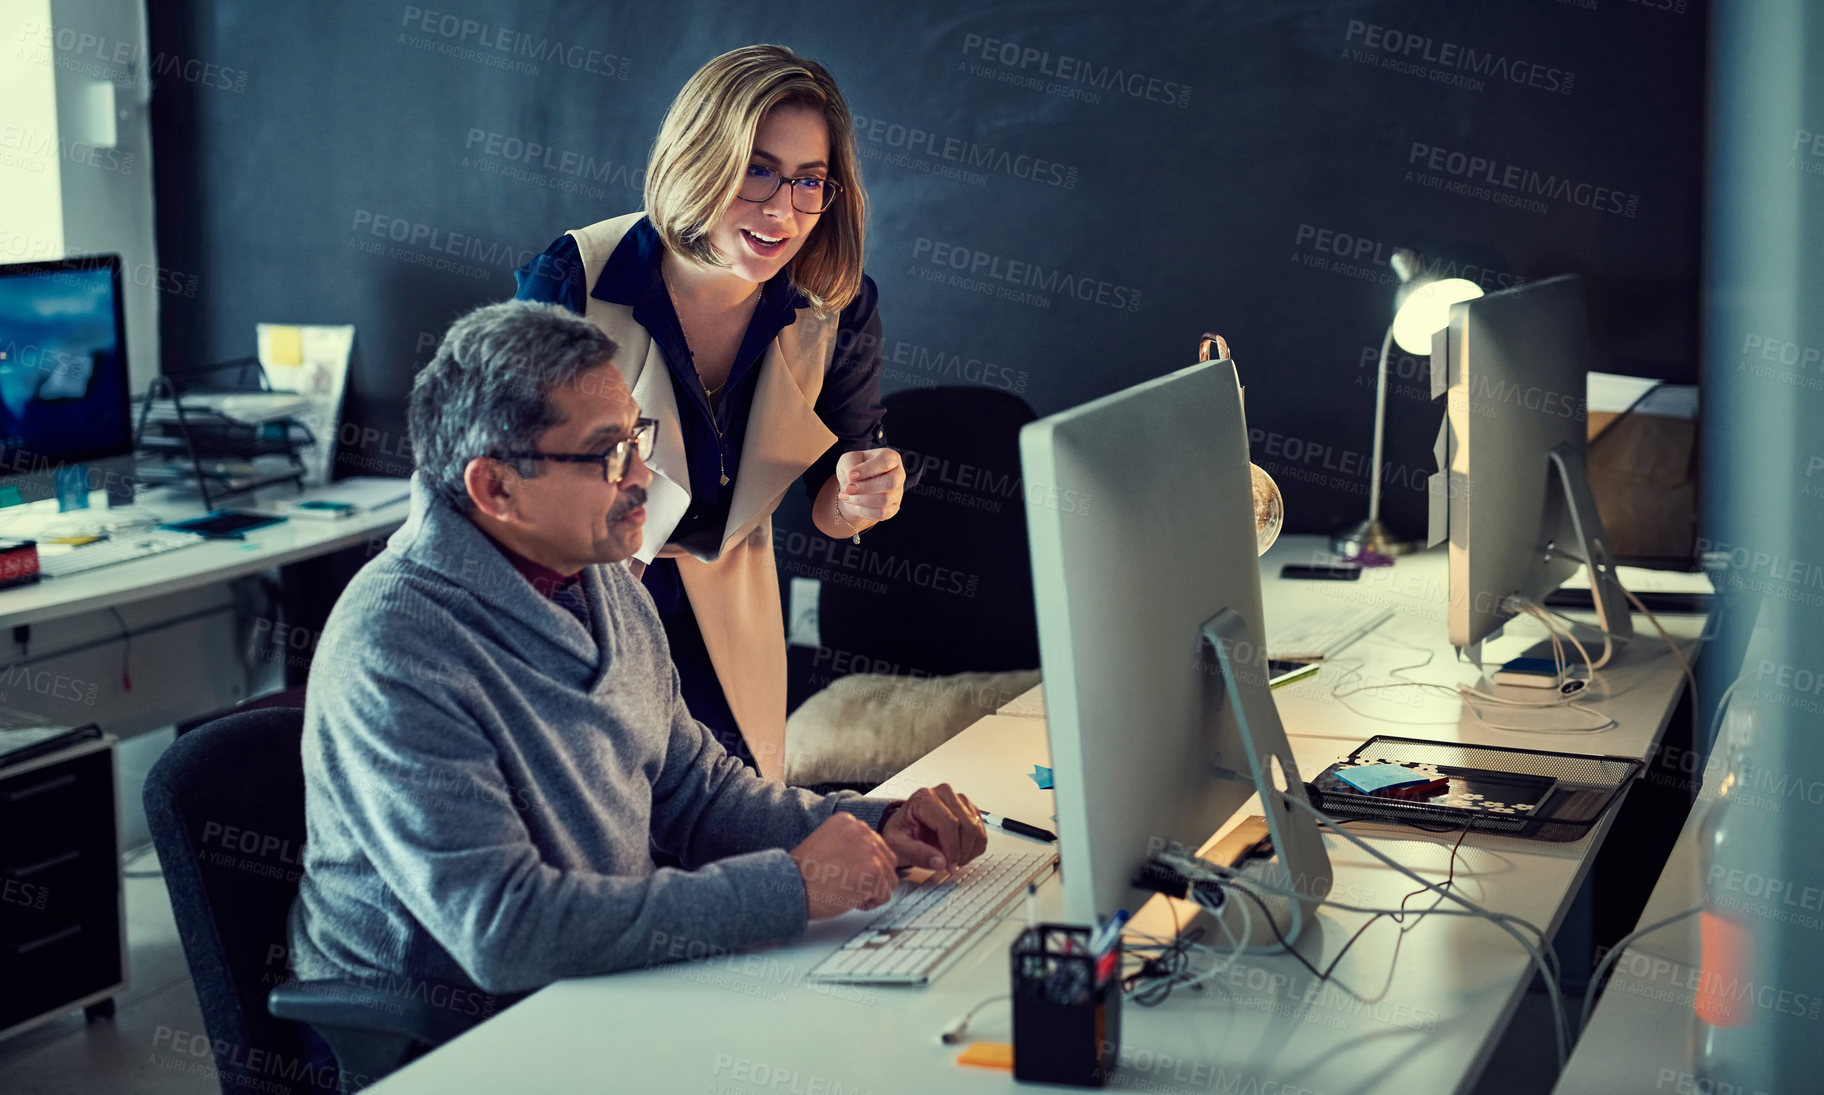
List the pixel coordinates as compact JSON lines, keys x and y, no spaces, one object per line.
{"x":543,"y":578}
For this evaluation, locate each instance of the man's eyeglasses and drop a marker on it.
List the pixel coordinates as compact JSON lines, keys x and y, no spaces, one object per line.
{"x":614,"y":462}
{"x":810,"y":193}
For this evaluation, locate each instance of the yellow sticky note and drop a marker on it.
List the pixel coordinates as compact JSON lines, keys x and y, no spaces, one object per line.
{"x":285,"y":345}
{"x":988,"y":1055}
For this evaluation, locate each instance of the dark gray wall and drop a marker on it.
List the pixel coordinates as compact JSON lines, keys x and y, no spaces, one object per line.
{"x":1156,"y":168}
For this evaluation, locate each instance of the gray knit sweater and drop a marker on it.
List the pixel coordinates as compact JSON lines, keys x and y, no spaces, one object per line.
{"x":486,"y":783}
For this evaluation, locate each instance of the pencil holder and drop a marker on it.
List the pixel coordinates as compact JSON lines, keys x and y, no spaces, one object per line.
{"x":1066,"y":1007}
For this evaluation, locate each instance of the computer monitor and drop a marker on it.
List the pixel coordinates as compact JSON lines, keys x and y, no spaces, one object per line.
{"x":1141,"y":519}
{"x":1521,"y":513}
{"x":63,"y":376}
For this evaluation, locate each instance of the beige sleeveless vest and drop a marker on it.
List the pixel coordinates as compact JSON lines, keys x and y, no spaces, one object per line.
{"x":734,"y":593}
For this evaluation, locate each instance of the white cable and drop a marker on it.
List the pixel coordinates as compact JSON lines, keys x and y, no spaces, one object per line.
{"x":1605,"y":724}
{"x":1239,"y":944}
{"x":1690,"y":677}
{"x":1553,"y":992}
{"x":1545,"y":618}
{"x":953,"y":1034}
{"x":1219,"y":963}
{"x":1472,"y":696}
{"x":1475,"y":699}
{"x":1589,"y":994}
{"x":1192,"y":867}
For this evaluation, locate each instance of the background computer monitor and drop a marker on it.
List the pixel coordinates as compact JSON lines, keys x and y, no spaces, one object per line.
{"x":1141,"y":519}
{"x":63,"y":375}
{"x":1520,"y":508}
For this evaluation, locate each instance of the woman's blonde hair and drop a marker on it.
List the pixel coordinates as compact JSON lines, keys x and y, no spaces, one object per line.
{"x":702,"y":152}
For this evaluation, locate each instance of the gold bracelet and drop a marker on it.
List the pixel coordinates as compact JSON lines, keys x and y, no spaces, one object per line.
{"x":836,"y":509}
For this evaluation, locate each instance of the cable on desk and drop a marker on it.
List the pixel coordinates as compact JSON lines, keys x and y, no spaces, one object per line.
{"x":1554,"y":993}
{"x":1547,"y":967}
{"x":1602,"y":967}
{"x":126,"y":650}
{"x":1397,"y":917}
{"x":1237,"y":944}
{"x":1475,"y":699}
{"x":1683,"y":663}
{"x":1151,"y":985}
{"x":956,"y":1031}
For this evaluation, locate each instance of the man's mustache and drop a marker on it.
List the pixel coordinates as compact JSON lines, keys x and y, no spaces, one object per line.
{"x":636,"y":497}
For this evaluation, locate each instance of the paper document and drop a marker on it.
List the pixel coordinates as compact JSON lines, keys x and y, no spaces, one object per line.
{"x":311,"y":362}
{"x":1643,"y":580}
{"x":364,"y":492}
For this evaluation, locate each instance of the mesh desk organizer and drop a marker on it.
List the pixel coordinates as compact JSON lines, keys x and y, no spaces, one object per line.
{"x":178,"y":443}
{"x":1066,"y":1019}
{"x":1529,"y":793}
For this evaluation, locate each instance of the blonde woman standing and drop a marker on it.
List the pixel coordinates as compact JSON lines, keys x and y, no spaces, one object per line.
{"x":749,"y":332}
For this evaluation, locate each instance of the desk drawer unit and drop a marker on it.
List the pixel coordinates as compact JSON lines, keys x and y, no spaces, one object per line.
{"x":62,"y":932}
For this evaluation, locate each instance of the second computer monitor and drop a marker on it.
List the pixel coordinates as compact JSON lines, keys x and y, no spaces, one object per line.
{"x":1141,"y":518}
{"x":63,"y":373}
{"x":1521,"y":515}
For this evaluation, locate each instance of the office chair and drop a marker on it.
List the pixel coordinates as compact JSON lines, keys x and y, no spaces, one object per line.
{"x":225,"y":804}
{"x":936,"y":605}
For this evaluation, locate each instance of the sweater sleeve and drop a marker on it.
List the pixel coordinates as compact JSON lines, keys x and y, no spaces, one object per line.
{"x":708,"y":805}
{"x":420,"y":790}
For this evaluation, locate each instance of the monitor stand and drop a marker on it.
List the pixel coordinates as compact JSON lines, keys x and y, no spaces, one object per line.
{"x":1605,"y":589}
{"x":1299,"y":862}
{"x":1606,"y":595}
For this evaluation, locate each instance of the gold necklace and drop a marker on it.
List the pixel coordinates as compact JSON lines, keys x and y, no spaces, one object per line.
{"x":709,"y":393}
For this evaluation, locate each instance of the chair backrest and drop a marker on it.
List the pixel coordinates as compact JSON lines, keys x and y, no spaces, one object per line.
{"x":225,"y":804}
{"x":946,"y":586}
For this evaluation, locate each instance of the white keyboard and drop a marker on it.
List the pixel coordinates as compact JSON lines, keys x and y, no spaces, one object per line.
{"x":931,"y":923}
{"x":123,"y":548}
{"x":1317,"y":637}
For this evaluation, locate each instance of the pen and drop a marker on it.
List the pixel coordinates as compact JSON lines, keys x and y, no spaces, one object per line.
{"x":1007,"y":824}
{"x":1298,"y":674}
{"x":1104,"y":937}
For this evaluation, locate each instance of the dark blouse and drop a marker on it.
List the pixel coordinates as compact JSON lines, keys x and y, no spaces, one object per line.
{"x":848,"y":404}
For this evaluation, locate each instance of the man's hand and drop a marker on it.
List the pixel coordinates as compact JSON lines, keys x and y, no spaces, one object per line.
{"x":845,"y":865}
{"x":937,"y":828}
{"x":870,"y":483}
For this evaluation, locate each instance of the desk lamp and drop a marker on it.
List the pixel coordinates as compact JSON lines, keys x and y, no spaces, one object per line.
{"x":1421,"y":307}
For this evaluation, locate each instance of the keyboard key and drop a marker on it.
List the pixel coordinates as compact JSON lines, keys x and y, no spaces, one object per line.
{"x":929,"y":924}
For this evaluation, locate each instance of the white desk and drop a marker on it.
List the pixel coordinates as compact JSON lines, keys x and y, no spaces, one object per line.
{"x":189,"y":568}
{"x":750,"y":1024}
{"x":192,"y":651}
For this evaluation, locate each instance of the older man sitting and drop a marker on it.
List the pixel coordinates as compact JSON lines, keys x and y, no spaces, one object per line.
{"x":495,"y":748}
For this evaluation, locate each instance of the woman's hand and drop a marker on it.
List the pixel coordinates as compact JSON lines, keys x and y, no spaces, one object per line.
{"x":870,"y":484}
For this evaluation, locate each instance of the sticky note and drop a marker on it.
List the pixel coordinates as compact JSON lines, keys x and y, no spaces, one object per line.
{"x":1041,"y":775}
{"x":1370,"y":778}
{"x":284,"y":346}
{"x":988,"y":1055}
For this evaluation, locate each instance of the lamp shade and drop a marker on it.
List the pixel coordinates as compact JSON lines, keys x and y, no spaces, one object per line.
{"x":1426,"y":310}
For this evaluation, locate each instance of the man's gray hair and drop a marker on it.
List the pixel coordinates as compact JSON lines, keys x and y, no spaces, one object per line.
{"x":487,"y":390}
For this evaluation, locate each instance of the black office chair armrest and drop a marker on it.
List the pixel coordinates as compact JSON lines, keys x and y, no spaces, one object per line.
{"x":341,"y":1004}
{"x":373,"y":1033}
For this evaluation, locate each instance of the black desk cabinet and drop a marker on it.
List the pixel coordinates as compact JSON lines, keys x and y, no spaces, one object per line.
{"x":62,"y":924}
